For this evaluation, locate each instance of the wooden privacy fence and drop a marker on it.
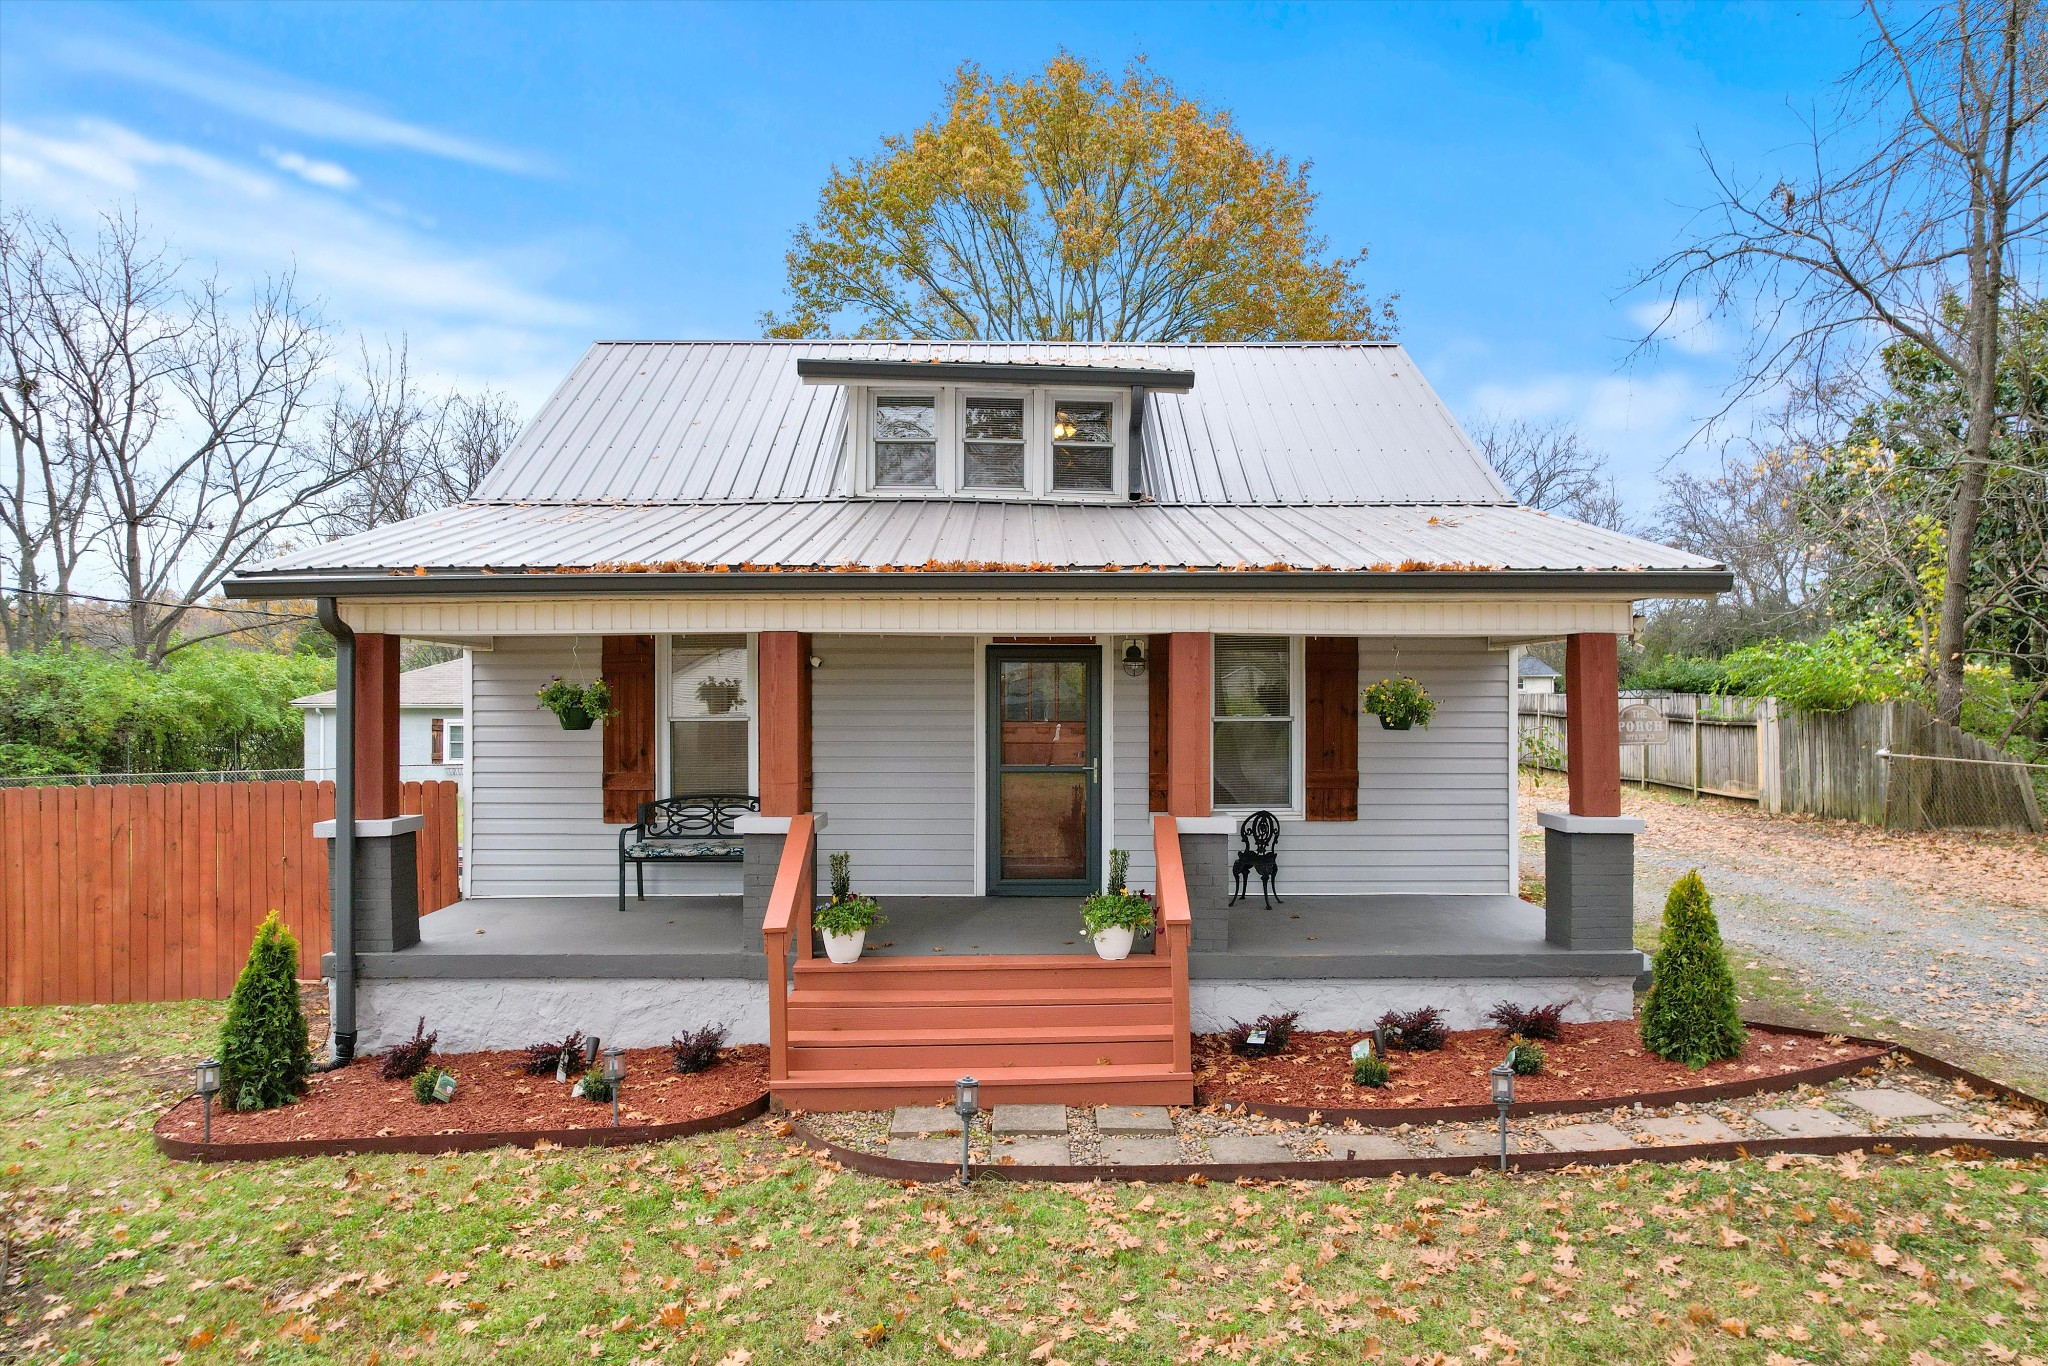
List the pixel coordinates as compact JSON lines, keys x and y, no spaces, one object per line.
{"x":1893,"y":763}
{"x":114,"y":893}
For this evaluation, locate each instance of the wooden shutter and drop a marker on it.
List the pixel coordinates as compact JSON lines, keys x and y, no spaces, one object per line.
{"x":435,"y":757}
{"x":1331,"y":690}
{"x":1156,"y":653}
{"x":629,"y":731}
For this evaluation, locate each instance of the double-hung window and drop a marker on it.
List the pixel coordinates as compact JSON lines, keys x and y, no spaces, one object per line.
{"x":906,"y":441}
{"x":710,"y":715}
{"x":1084,"y":446}
{"x":992,"y":443}
{"x":1253,"y":751}
{"x":453,"y":738}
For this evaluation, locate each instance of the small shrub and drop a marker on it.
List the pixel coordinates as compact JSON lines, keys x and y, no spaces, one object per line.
{"x":1117,"y":911}
{"x":1530,"y":1022}
{"x":842,"y":874}
{"x":1526,"y":1058}
{"x":423,"y":1084}
{"x":1398,"y":702}
{"x":1119,"y":868}
{"x":409,"y":1057}
{"x":1370,"y":1070}
{"x":1691,"y":1015}
{"x":1414,"y":1031}
{"x":1278,"y":1028}
{"x":545,"y":1058}
{"x":697,"y":1050}
{"x":265,"y":1056}
{"x":595,"y":1087}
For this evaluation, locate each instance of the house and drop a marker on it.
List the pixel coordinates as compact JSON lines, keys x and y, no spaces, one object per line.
{"x":978,"y":613}
{"x":431,"y":734}
{"x":1533,"y":675}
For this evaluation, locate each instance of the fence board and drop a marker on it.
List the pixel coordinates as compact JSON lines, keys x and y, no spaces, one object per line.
{"x":151,"y":893}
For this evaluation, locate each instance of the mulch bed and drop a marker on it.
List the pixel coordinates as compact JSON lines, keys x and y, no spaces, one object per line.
{"x":493,"y":1095}
{"x":1589,"y":1064}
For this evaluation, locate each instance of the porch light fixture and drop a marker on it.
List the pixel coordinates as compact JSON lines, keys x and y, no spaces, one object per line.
{"x":1503,"y":1096}
{"x":206,"y":1081}
{"x":614,"y":1075}
{"x":1134,"y":657}
{"x":966,"y":1104}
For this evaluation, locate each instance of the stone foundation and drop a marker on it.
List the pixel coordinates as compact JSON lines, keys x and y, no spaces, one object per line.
{"x":476,"y":1014}
{"x":1331,"y":1004}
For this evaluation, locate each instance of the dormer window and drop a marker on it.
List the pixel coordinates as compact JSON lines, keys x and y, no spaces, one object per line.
{"x":991,"y":441}
{"x":1083,"y":447}
{"x":906,"y":441}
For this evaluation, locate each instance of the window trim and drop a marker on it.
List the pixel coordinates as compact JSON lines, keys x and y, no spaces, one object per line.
{"x":967,"y":395}
{"x":949,"y":405}
{"x":1118,"y":476}
{"x":454,"y":737}
{"x":664,"y":671}
{"x":1297,"y":731}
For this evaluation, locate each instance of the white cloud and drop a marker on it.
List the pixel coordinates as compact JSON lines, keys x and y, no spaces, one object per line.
{"x":326,"y":174}
{"x":1684,"y":325}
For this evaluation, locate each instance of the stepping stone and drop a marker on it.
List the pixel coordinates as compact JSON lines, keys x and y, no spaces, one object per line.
{"x":1032,"y":1152}
{"x":1255,"y":1148}
{"x":1809,"y":1122}
{"x":1886,"y":1103}
{"x":1586,"y":1138}
{"x":1475,"y":1145}
{"x":1140,"y":1152}
{"x":911,"y":1120}
{"x":1367,"y":1148}
{"x":1029,"y":1119}
{"x":1688,"y":1129}
{"x":1950,"y":1130}
{"x":926,"y":1150}
{"x":1133,"y":1119}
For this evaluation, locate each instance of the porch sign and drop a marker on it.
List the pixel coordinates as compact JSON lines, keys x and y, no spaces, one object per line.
{"x":1642,"y":724}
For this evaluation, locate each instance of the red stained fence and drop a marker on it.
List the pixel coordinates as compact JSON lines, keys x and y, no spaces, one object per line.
{"x":116,"y":893}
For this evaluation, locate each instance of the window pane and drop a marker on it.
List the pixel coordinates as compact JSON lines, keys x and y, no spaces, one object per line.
{"x":1083,"y":467}
{"x":995,"y":465}
{"x":1085,"y":423}
{"x":1251,"y":676}
{"x":1252,"y":763}
{"x":451,"y":743}
{"x":906,"y":419}
{"x":707,"y":756}
{"x":1044,"y":824}
{"x":707,"y":677}
{"x":995,"y":419}
{"x":906,"y":464}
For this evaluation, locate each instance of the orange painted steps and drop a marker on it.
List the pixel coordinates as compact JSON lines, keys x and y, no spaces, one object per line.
{"x":877,"y":1090}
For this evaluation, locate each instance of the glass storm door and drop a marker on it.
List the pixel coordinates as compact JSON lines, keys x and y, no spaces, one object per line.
{"x":1044,"y":766}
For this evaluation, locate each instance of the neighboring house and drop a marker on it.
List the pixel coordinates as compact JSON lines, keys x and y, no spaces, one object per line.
{"x":1533,"y":675}
{"x":432,"y":738}
{"x":979,"y":613}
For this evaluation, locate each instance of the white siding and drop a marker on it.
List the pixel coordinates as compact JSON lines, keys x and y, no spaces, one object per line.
{"x":1131,"y":701}
{"x":536,"y":792}
{"x":892,"y":758}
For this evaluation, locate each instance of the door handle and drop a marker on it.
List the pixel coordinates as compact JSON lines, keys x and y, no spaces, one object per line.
{"x":1095,"y":771}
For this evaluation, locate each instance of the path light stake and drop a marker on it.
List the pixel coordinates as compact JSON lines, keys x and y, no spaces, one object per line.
{"x":966,"y":1104}
{"x":1503,"y":1096}
{"x":206,"y":1081}
{"x":614,"y":1073}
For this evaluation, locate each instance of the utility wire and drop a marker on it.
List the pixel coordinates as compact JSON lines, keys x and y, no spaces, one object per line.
{"x":152,"y":602}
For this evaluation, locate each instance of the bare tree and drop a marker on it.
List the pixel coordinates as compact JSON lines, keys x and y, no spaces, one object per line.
{"x":1916,"y":216}
{"x":1748,"y":517}
{"x":1545,"y":465}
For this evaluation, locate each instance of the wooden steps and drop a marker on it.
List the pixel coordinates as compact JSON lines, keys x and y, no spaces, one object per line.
{"x":901,"y":1031}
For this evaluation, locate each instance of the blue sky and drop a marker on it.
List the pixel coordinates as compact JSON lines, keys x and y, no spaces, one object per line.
{"x":505,"y":183}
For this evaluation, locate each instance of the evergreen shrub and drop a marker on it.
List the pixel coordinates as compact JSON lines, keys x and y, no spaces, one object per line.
{"x":1691,"y":1015}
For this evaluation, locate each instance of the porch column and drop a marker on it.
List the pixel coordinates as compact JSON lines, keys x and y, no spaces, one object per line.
{"x":782,"y":667}
{"x":1589,"y":851}
{"x":386,"y":885}
{"x":1204,"y":837}
{"x":376,"y":729}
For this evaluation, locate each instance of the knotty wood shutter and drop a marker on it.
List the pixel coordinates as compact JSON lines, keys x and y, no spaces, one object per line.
{"x":435,"y":757}
{"x":629,"y":731}
{"x":1331,"y":690}
{"x":1156,"y":652}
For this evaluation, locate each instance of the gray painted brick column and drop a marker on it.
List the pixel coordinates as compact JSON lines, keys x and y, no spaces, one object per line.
{"x":387,"y":882}
{"x":1589,"y":880}
{"x":1205,"y":857}
{"x":762,"y":838}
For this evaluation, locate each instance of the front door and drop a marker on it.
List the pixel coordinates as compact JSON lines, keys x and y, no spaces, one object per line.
{"x":1044,"y":769}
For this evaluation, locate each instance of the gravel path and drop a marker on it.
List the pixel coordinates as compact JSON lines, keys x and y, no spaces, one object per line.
{"x":1944,"y":930}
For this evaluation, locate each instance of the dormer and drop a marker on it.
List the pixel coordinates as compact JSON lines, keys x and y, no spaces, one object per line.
{"x":993,"y":430}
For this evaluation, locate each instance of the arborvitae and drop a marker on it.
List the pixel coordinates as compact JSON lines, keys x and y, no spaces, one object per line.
{"x":1691,"y":1015}
{"x":264,"y":1054}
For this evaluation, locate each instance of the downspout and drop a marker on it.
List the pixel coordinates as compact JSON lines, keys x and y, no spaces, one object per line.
{"x":343,"y":916}
{"x":1137,"y":480}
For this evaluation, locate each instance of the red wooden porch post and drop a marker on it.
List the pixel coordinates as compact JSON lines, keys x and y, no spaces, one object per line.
{"x":1188,"y":723}
{"x":783,"y":667}
{"x":1592,"y":725}
{"x":376,"y":727}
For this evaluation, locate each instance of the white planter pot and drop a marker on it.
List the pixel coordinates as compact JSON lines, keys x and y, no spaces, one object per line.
{"x":845,"y":948}
{"x":1113,"y":946}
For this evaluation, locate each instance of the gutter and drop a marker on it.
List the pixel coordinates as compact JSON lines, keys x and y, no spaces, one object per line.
{"x":384,"y":583}
{"x":342,"y":918}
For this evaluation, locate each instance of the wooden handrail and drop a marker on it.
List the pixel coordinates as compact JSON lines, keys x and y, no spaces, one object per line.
{"x":788,"y":918}
{"x":1175,"y":929}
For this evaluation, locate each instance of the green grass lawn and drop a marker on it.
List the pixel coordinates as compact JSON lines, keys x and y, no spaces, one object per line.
{"x":742,"y":1246}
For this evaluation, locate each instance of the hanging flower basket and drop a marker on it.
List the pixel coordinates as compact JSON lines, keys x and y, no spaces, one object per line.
{"x":576,"y":706}
{"x":1399,"y":703}
{"x":719,"y":695}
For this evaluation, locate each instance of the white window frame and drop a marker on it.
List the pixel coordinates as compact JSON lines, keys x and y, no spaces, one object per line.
{"x":950,"y":413}
{"x":663,"y":666}
{"x":454,"y":733}
{"x":1297,"y":732}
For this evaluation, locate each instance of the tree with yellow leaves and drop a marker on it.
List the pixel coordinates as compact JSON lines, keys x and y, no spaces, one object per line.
{"x":1073,"y":206}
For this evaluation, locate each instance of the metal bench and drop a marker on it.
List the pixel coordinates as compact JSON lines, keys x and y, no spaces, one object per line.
{"x":1260,"y":834}
{"x":693,"y":828}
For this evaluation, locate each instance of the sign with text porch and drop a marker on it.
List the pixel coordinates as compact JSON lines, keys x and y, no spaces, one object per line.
{"x":1642,"y":724}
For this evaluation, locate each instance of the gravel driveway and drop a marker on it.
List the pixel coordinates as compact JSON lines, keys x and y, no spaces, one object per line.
{"x":1945,"y":932}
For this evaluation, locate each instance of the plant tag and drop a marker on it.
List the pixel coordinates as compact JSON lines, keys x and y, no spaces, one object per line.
{"x":1361,"y":1049}
{"x":561,"y":1067}
{"x":576,"y":1091}
{"x":1255,"y":1039}
{"x":444,"y":1087}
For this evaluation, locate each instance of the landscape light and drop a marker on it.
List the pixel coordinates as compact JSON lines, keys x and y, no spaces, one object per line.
{"x":1503,"y":1096}
{"x":966,"y":1104}
{"x":206,"y":1080}
{"x":614,"y":1074}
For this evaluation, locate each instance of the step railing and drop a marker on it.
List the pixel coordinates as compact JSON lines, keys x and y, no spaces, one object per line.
{"x":1174,"y":929}
{"x":788,"y":920}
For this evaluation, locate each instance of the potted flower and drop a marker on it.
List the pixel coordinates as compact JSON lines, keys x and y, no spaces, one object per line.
{"x":719,"y":695}
{"x":573,"y":705}
{"x":1399,"y":703}
{"x":1113,"y":918}
{"x":844,"y":921}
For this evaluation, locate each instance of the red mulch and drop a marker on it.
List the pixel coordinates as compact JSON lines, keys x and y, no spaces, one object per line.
{"x":1590,"y":1062}
{"x":493,"y":1095}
